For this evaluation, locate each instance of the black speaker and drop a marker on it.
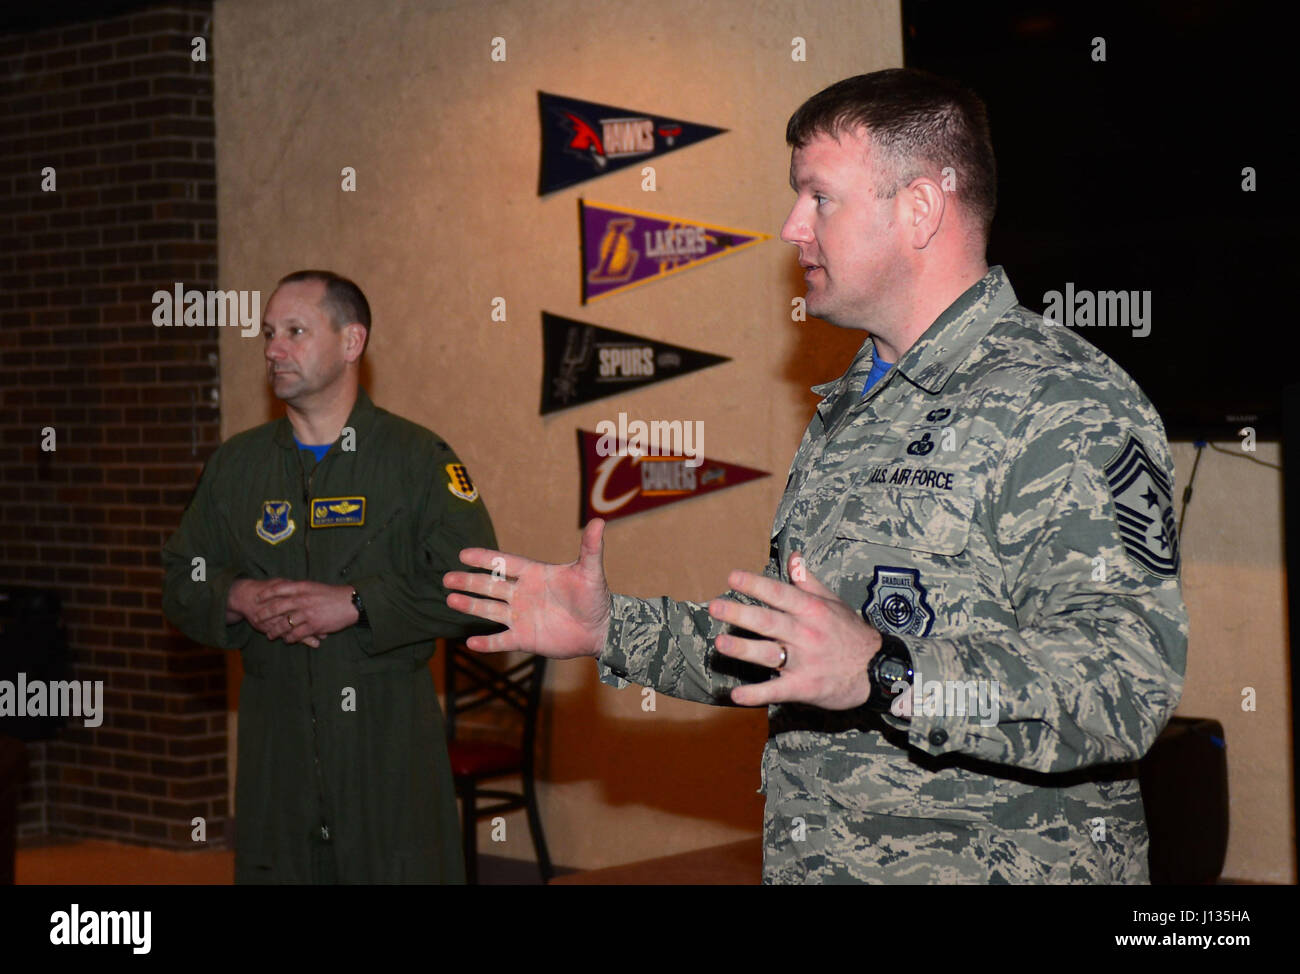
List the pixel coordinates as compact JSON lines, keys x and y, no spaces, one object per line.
{"x":1184,"y":781}
{"x":13,"y":761}
{"x":31,"y":643}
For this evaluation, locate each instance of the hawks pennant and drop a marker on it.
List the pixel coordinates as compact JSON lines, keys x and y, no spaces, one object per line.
{"x":584,"y":362}
{"x":622,"y":248}
{"x":584,"y":139}
{"x":618,"y":485}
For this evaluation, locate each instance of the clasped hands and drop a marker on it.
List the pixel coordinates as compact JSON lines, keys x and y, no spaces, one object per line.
{"x":295,"y":611}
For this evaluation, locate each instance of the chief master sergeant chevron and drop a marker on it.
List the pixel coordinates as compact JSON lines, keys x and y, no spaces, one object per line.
{"x":981,"y":502}
{"x":315,"y":545}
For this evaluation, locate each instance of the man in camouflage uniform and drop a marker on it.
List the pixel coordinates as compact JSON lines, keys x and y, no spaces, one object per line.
{"x":981,"y":506}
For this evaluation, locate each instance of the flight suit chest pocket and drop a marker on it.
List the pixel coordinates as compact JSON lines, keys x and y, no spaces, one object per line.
{"x":381,"y":546}
{"x":928,"y":510}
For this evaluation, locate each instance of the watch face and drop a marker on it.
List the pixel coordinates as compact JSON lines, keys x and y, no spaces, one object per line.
{"x":892,"y":670}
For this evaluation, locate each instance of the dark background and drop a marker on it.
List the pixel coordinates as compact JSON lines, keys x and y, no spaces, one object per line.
{"x":1126,"y":174}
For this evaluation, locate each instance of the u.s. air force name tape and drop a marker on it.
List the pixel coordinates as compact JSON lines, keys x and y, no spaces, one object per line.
{"x":627,"y":469}
{"x":582,"y":362}
{"x":622,"y":248}
{"x":585,"y":139}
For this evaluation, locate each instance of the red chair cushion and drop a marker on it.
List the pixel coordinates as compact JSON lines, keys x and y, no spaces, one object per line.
{"x":482,"y":759}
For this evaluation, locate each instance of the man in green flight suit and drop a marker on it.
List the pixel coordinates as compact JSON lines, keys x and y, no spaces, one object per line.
{"x":314,"y":544}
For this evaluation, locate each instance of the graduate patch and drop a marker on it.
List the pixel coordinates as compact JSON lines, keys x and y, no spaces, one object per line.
{"x":338,"y":512}
{"x":896,"y":602}
{"x":458,"y":482}
{"x":275,"y":525}
{"x":1144,"y":508}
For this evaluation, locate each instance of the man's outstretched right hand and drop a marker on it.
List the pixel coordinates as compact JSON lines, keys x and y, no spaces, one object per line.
{"x":560,"y":611}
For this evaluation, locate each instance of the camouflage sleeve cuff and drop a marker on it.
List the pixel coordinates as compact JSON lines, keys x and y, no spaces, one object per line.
{"x":942,"y":707}
{"x":663,"y":644}
{"x":612,"y":665}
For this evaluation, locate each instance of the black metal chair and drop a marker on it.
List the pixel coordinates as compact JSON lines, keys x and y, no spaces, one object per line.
{"x":472,"y":682}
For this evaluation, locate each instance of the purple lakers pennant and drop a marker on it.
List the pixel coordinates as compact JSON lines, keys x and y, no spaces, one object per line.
{"x":624,"y":248}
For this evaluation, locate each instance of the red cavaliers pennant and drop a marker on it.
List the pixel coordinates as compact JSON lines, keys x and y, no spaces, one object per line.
{"x":622,"y":248}
{"x":616,"y":483}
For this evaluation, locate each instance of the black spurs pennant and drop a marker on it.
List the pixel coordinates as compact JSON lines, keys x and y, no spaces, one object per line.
{"x":582,"y":362}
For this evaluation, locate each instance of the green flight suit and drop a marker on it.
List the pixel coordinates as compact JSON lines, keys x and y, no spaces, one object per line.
{"x":343,"y":772}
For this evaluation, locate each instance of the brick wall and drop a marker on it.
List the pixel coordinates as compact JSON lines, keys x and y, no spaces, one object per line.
{"x":124,"y":115}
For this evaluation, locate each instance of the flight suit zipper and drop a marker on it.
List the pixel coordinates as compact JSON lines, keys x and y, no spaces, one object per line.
{"x":306,"y":480}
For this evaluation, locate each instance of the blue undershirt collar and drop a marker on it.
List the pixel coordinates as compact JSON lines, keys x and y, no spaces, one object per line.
{"x":878,"y":369}
{"x":319,"y":451}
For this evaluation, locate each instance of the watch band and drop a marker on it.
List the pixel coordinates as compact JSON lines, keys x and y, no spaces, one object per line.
{"x":362,"y":619}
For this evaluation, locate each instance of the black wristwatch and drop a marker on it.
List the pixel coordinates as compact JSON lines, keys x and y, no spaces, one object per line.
{"x":362,"y":620}
{"x":891,"y":664}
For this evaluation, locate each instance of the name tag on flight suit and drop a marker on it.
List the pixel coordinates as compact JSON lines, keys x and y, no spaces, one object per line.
{"x":338,"y":512}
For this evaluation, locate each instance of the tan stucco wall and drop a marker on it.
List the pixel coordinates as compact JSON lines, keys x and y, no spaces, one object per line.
{"x":1234,"y":582}
{"x":446,"y":217}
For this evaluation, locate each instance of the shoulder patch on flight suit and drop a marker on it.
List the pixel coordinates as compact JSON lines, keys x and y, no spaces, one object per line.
{"x":458,"y":482}
{"x":896,"y":602}
{"x":335,"y":512}
{"x":276,"y":525}
{"x":1144,"y":508}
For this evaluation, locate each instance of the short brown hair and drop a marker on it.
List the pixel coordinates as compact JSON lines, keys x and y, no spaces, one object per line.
{"x":344,"y":301}
{"x":919,"y":122}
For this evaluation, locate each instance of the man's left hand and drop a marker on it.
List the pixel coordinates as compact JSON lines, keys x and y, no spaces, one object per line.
{"x":298,"y":611}
{"x":827,"y":644}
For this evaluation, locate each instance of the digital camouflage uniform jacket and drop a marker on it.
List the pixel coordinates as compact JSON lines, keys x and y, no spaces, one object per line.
{"x":347,"y":740}
{"x":1001,"y":500}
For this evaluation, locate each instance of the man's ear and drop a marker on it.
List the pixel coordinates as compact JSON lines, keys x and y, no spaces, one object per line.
{"x":355,"y":340}
{"x":924,"y":203}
